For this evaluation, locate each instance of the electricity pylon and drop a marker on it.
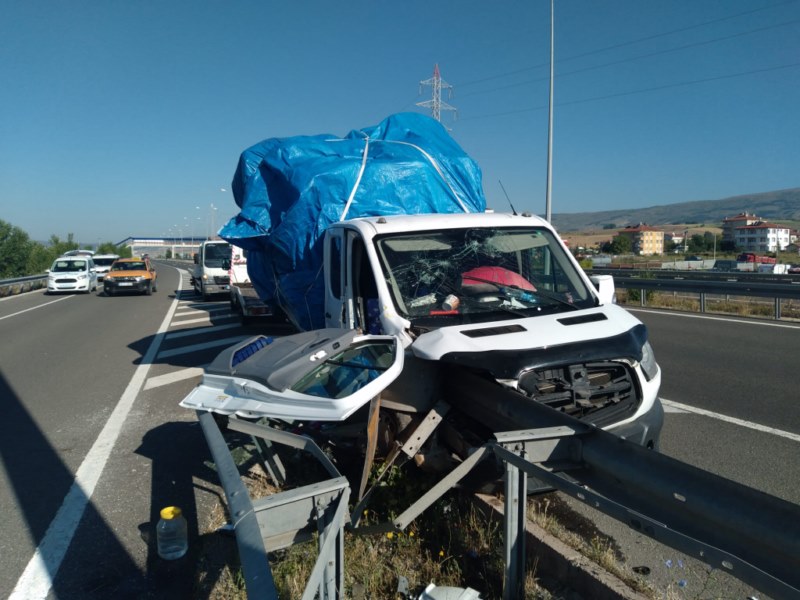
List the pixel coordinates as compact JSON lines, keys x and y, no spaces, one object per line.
{"x":435,"y":104}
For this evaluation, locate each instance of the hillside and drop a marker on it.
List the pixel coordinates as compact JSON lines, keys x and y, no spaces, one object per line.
{"x":780,"y":205}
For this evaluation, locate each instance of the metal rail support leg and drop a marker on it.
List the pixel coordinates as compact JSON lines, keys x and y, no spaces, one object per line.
{"x":516,"y":494}
{"x":270,"y":461}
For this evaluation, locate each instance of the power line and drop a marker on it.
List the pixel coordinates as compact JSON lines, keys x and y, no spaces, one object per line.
{"x":628,"y":43}
{"x":633,"y":92}
{"x":641,"y":56}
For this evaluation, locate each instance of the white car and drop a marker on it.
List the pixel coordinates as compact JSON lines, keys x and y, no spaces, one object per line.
{"x":72,"y":274}
{"x":102,"y":264}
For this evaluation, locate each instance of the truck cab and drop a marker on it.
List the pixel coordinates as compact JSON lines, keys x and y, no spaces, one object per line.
{"x":210,"y":274}
{"x":498,"y":294}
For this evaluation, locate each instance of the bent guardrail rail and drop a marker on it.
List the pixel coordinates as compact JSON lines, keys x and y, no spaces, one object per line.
{"x":280,"y":520}
{"x":751,"y":535}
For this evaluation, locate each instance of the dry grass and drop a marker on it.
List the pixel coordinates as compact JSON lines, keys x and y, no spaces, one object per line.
{"x":451,"y":544}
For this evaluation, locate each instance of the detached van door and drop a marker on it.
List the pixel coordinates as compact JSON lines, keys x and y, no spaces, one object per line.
{"x":319,"y":375}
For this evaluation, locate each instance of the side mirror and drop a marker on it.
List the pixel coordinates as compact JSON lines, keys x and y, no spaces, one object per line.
{"x":606,"y":293}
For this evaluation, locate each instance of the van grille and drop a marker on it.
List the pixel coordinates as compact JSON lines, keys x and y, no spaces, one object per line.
{"x":597,"y":392}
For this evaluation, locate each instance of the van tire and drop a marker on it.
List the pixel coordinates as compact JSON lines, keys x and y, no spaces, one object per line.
{"x":149,"y":289}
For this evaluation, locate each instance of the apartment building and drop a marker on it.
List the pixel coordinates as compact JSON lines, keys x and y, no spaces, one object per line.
{"x":645,"y":240}
{"x":762,"y":237}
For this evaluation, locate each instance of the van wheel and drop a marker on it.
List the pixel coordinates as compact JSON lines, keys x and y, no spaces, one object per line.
{"x":155,"y":289}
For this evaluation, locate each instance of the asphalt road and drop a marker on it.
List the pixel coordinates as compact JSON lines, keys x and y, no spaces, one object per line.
{"x":92,"y":382}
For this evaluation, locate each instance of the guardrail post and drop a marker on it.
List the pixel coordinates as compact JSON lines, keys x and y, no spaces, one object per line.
{"x":702,"y":302}
{"x":777,"y":309}
{"x":516,"y":495}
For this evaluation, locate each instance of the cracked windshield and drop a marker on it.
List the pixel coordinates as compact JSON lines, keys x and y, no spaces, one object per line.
{"x":472,"y":273}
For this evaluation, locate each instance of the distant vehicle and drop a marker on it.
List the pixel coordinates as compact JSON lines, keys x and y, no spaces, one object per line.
{"x":102,"y":263}
{"x":694,"y":258}
{"x":79,"y":253}
{"x":725,"y":265}
{"x":72,"y":273}
{"x":210,"y":274}
{"x":751,"y":257}
{"x":130,"y":275}
{"x":794,"y":270}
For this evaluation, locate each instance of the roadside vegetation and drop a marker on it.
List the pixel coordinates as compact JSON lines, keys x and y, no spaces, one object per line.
{"x":452,"y":544}
{"x":20,"y":256}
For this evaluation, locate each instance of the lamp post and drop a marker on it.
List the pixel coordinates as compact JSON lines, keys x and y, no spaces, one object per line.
{"x":196,"y":218}
{"x":211,"y":213}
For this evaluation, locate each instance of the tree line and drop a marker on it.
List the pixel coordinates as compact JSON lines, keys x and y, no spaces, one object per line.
{"x":20,"y":256}
{"x":697,"y":244}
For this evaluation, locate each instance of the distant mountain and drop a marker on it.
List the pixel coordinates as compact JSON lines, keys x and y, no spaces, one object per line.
{"x":781,"y":204}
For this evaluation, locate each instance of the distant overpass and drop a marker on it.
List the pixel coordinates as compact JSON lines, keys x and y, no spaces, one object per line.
{"x":158,"y":247}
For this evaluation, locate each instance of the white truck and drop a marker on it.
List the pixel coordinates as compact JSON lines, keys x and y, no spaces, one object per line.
{"x":210,"y":273}
{"x":244,"y":297}
{"x":378,"y":246}
{"x":496,"y":294}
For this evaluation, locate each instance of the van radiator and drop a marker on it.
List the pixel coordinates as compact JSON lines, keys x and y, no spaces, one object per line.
{"x":591,"y":391}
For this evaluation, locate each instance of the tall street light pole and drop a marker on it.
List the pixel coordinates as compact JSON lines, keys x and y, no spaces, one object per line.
{"x":548,"y":207}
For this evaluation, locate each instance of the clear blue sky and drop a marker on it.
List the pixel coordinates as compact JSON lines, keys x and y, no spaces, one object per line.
{"x":123,"y":118}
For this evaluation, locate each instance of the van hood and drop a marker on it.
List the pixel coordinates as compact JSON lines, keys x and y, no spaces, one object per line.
{"x":506,"y":348}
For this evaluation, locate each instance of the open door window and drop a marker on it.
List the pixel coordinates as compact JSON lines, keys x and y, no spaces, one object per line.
{"x":320,"y":375}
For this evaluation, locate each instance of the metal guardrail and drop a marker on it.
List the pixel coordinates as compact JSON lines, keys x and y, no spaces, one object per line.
{"x":756,"y":287}
{"x":751,"y":535}
{"x":19,"y":285}
{"x":282,"y":519}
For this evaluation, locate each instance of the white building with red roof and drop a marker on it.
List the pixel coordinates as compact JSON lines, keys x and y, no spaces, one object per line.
{"x":762,"y":237}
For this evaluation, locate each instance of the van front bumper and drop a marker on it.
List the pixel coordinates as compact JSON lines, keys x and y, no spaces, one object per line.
{"x":645,"y":430}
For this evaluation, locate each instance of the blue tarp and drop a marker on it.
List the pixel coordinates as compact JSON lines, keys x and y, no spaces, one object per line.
{"x":290,"y":189}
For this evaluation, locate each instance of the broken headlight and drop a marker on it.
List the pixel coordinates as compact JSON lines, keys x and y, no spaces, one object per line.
{"x":648,"y":361}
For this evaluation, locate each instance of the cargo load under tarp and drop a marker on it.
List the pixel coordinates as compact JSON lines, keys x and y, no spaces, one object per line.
{"x":290,"y":189}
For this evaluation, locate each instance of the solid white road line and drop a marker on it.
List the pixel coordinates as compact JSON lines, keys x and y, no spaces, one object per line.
{"x":710,"y":318}
{"x":206,"y":319}
{"x":733,"y":420}
{"x":37,"y":578}
{"x":181,"y":333}
{"x":173,"y":377}
{"x":191,"y":310}
{"x":195,"y":347}
{"x":35,"y":307}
